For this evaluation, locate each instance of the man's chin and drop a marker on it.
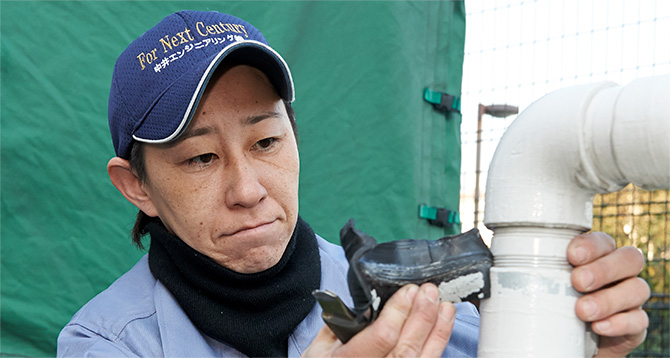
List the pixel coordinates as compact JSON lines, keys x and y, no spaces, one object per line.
{"x":256,"y":260}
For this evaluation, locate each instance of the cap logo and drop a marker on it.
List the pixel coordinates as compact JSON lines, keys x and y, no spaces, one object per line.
{"x":213,"y":34}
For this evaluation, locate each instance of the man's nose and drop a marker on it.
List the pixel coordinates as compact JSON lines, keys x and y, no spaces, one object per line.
{"x":244,"y":187}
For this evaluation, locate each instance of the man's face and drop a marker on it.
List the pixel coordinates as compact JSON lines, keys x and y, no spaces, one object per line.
{"x":228,"y":186}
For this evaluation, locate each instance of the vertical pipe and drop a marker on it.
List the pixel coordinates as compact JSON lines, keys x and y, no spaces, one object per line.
{"x":532,"y":296}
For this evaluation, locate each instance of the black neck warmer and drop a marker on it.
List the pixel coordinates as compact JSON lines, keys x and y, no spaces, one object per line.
{"x":255,"y":313}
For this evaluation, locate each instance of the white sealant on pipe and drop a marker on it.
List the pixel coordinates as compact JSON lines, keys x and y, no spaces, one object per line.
{"x":463,"y":286}
{"x":561,"y":151}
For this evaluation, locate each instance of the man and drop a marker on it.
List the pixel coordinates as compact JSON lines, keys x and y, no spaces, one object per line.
{"x":205,"y":136}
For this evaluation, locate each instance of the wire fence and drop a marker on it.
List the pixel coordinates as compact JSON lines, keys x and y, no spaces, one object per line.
{"x":518,"y":50}
{"x":640,"y":218}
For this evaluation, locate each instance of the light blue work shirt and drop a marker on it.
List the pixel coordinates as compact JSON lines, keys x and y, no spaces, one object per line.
{"x":138,"y":316}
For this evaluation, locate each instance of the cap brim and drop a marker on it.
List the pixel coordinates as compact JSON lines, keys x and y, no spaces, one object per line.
{"x":172,"y":111}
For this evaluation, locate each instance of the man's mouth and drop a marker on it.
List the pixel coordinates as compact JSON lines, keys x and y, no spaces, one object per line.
{"x":251,"y":228}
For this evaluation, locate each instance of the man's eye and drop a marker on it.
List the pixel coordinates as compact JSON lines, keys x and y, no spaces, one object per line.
{"x":266,"y":143}
{"x":203,"y":159}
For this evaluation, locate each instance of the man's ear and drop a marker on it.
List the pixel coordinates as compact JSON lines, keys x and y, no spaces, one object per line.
{"x":130,"y":186}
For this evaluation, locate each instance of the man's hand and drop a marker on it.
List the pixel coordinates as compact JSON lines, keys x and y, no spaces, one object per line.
{"x":413,"y":323}
{"x":613,"y":292}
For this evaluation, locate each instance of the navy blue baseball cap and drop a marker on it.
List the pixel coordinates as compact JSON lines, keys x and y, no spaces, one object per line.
{"x":159,"y":78}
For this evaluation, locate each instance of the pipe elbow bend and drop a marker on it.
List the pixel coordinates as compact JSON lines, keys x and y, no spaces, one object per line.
{"x":574,"y":143}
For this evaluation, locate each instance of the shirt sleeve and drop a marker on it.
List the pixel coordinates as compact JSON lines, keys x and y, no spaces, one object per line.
{"x":78,"y":341}
{"x":465,"y":336}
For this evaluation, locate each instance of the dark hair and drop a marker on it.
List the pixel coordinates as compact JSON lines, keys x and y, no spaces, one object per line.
{"x":138,"y":166}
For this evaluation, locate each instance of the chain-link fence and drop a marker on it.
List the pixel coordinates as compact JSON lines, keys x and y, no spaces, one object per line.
{"x":641,"y":219}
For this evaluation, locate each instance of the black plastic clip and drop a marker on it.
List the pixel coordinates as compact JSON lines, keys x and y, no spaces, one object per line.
{"x":439,"y":216}
{"x":443,"y":102}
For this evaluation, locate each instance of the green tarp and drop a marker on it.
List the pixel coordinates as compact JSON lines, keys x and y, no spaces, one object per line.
{"x":371,"y":147}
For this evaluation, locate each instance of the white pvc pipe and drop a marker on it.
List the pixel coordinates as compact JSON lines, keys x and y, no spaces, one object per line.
{"x":558,"y":153}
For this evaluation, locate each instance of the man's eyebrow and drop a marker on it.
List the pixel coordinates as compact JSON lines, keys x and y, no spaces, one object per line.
{"x":260,"y":117}
{"x":189,"y":134}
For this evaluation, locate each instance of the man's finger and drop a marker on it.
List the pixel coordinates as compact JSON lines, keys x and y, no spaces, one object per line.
{"x":627,"y":323}
{"x":323,"y":344}
{"x":380,"y":337}
{"x":608,"y":269}
{"x":619,"y":346}
{"x":588,"y":247}
{"x":439,"y":337}
{"x":626,"y":295}
{"x":419,"y":324}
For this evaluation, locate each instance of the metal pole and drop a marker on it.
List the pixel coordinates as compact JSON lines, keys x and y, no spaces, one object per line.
{"x":482,"y":110}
